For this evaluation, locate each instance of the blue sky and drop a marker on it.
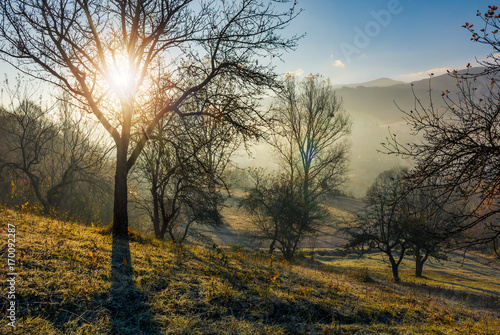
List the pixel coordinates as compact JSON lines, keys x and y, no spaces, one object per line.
{"x":403,"y":40}
{"x":418,"y":37}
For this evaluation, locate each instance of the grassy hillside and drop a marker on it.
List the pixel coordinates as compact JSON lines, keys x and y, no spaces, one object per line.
{"x":73,"y":279}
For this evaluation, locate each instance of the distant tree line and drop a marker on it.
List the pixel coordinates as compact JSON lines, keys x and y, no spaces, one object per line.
{"x":52,"y":156}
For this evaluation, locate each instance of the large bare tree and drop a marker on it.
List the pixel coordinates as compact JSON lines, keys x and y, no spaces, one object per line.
{"x":310,"y":127}
{"x":381,"y":223}
{"x":102,"y":51}
{"x":308,"y":138}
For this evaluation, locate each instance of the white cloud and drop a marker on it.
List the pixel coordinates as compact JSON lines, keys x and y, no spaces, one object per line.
{"x":423,"y":74}
{"x":297,"y":73}
{"x":338,"y":63}
{"x":490,"y":58}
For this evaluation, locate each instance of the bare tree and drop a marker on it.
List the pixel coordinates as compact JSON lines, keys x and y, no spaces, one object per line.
{"x":309,"y":136}
{"x":27,"y":136}
{"x":461,"y":141}
{"x":186,"y":158}
{"x":102,"y":52}
{"x":54,"y":147}
{"x":279,"y":215}
{"x":381,"y":224}
{"x":183,"y":166}
{"x":401,"y":220}
{"x":428,"y":217}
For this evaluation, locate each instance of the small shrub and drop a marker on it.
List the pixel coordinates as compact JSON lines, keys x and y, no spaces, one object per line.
{"x":362,"y":275}
{"x":236,"y":247}
{"x":301,"y":253}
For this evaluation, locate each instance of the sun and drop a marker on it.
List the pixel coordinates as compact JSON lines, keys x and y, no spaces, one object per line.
{"x":121,"y":75}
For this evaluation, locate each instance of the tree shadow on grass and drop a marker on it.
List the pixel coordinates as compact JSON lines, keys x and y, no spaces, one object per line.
{"x":485,"y":298}
{"x":128,"y":306}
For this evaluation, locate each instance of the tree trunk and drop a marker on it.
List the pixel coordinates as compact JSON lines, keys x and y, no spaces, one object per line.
{"x":419,"y":263}
{"x":35,"y":183}
{"x":156,"y":207}
{"x":156,"y":221}
{"x":271,"y":247}
{"x":172,"y":235}
{"x":120,"y":214}
{"x":419,"y":266}
{"x":120,"y":210}
{"x":395,"y":270}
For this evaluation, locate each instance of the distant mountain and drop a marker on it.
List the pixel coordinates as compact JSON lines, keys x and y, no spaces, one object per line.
{"x":382,"y":101}
{"x":376,"y":108}
{"x":382,"y":82}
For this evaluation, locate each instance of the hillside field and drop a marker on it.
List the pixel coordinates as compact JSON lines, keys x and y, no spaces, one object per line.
{"x":73,"y":279}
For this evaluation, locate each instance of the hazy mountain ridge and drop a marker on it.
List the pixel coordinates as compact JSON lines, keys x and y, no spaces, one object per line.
{"x":383,"y":101}
{"x":376,"y":110}
{"x":382,"y":82}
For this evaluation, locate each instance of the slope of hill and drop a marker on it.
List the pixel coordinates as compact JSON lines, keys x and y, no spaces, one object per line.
{"x":73,"y":279}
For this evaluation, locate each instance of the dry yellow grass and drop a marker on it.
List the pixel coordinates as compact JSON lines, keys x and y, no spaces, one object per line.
{"x":67,"y":285}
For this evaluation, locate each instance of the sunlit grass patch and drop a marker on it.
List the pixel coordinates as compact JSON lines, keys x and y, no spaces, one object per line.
{"x":471,"y":273}
{"x":65,"y":284}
